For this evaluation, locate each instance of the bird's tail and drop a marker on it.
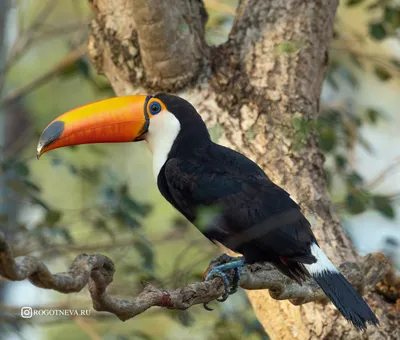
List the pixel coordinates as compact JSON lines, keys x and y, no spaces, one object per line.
{"x":342,"y":294}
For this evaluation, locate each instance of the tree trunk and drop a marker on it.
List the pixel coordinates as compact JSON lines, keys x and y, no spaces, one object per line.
{"x":249,"y":91}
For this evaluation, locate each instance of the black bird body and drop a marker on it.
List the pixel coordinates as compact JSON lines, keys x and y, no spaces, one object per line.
{"x":244,"y":209}
{"x":253,"y":216}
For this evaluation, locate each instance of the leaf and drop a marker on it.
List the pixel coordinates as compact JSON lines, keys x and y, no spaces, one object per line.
{"x":389,"y":14}
{"x":145,"y":250}
{"x":92,"y":175}
{"x":125,"y":220}
{"x":21,"y":169}
{"x":384,"y":206}
{"x":327,"y":139}
{"x":365,"y":144}
{"x":355,"y":204}
{"x":340,"y":161}
{"x":52,"y":217}
{"x":354,"y":2}
{"x":135,"y":207}
{"x":131,"y":205}
{"x":185,"y":318}
{"x":382,"y":73}
{"x":372,"y":115}
{"x":336,"y":34}
{"x":354,"y":179}
{"x":66,"y":235}
{"x":377,"y":31}
{"x":73,"y":169}
{"x":69,"y":70}
{"x":329,"y":118}
{"x":56,"y":162}
{"x":83,"y":67}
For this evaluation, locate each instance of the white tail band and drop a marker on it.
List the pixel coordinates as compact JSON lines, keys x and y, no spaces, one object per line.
{"x":323,"y":264}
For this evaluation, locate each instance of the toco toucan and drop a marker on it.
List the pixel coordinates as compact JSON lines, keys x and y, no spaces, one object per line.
{"x":255,"y":217}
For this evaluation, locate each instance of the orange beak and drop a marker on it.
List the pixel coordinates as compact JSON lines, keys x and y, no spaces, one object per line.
{"x":115,"y":120}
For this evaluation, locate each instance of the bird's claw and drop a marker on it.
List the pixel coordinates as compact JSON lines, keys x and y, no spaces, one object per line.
{"x":219,"y":271}
{"x":205,"y":306}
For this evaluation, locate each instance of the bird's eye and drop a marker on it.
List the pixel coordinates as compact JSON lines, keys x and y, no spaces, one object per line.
{"x":155,"y":108}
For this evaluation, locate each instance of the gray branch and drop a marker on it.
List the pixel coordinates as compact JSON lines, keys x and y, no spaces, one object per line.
{"x":97,"y":271}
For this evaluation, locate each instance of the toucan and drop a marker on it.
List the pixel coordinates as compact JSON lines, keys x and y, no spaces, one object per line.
{"x":250,"y":214}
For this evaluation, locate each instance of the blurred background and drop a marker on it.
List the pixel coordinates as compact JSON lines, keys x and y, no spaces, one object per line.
{"x":103,"y":198}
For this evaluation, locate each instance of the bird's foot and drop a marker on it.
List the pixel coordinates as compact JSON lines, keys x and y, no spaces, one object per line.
{"x":219,"y":267}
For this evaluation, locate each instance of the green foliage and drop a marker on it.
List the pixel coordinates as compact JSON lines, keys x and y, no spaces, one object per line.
{"x":52,"y":217}
{"x":339,"y":133}
{"x":340,"y":128}
{"x":354,"y":2}
{"x":382,"y":73}
{"x":384,"y":205}
{"x":356,"y":202}
{"x":373,"y":115}
{"x":377,"y":30}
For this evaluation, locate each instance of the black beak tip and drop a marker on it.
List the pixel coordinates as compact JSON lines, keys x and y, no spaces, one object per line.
{"x":49,"y":135}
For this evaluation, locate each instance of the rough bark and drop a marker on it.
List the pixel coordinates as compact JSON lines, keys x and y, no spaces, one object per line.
{"x":249,"y":91}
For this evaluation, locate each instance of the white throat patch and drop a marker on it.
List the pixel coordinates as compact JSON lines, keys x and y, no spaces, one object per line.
{"x":163,"y":130}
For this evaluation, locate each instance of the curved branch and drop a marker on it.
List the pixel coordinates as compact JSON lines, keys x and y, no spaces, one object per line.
{"x":97,"y":272}
{"x":169,"y":39}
